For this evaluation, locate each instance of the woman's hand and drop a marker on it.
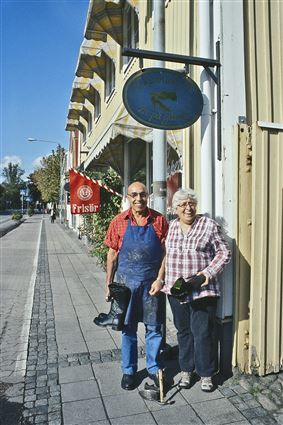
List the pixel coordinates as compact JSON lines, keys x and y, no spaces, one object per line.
{"x":206,"y":282}
{"x":156,"y":287}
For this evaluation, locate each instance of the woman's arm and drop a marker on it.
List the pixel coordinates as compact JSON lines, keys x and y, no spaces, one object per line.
{"x":157,"y":285}
{"x":222,"y":253}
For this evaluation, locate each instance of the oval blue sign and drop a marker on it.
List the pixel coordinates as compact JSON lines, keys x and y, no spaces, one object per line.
{"x":162,"y":98}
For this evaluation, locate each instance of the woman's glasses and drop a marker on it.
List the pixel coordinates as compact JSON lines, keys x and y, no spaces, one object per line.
{"x":186,"y":204}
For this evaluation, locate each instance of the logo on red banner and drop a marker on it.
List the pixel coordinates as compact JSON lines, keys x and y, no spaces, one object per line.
{"x":84,"y":194}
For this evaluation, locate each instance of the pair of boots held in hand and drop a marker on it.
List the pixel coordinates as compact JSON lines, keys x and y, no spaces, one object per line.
{"x":120,"y":296}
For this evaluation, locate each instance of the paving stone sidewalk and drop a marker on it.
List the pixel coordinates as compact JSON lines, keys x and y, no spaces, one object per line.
{"x":73,"y":368}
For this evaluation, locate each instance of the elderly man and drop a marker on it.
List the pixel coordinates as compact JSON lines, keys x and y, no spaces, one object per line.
{"x":136,"y":248}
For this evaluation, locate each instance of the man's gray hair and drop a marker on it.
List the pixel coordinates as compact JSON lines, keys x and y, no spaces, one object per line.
{"x":182,"y":195}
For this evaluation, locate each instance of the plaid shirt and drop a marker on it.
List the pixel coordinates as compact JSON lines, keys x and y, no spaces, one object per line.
{"x":203,"y":248}
{"x":118,"y":226}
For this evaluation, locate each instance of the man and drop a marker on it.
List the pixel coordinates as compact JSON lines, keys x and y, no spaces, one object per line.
{"x":136,"y":248}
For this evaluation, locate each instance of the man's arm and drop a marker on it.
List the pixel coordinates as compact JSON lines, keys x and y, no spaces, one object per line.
{"x":110,"y":268}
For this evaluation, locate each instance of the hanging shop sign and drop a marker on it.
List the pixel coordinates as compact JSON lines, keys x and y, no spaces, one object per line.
{"x":163,"y":98}
{"x":84,"y":194}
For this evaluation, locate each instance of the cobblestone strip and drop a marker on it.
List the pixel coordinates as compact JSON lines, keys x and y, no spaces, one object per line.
{"x":259,"y":399}
{"x":42,"y":393}
{"x":103,"y":356}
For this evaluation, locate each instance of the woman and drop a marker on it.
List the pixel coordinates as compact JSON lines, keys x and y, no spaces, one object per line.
{"x":195,"y":245}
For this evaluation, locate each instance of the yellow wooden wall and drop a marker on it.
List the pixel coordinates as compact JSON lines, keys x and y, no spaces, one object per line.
{"x":264,"y":83}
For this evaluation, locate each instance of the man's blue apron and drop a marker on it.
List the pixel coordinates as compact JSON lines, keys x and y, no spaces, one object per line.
{"x":139,"y":261}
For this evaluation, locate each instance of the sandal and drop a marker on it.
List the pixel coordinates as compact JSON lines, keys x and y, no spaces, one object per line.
{"x":206,"y":384}
{"x":186,"y":378}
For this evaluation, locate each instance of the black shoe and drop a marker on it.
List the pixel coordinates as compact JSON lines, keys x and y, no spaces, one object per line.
{"x":154,"y":377}
{"x":128,"y":382}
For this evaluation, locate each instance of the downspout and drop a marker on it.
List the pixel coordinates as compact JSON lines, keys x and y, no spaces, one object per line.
{"x":159,"y":143}
{"x":126,"y":176}
{"x":205,"y":38}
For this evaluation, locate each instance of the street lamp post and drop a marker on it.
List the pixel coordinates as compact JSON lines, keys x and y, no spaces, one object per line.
{"x":32,"y":139}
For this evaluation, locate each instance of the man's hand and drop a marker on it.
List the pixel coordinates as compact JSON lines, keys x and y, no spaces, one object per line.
{"x":156,"y":287}
{"x":107,"y":294}
{"x":206,"y":282}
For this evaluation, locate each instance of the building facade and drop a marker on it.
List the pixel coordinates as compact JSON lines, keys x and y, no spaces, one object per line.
{"x":231,"y":156}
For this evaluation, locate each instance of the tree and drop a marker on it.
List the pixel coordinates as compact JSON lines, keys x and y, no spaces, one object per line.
{"x":12,"y":185}
{"x":12,"y":174}
{"x":95,"y":225}
{"x":34,"y":193}
{"x":47,"y":178}
{"x":2,"y":198}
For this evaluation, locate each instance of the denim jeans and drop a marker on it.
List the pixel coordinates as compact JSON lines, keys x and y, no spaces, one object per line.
{"x":153,"y":340}
{"x":195,"y":324}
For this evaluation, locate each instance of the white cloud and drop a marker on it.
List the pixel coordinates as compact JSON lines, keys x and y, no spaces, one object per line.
{"x":14,"y":159}
{"x":37,"y":162}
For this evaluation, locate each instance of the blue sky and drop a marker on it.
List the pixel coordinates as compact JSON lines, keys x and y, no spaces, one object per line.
{"x":40,"y":42}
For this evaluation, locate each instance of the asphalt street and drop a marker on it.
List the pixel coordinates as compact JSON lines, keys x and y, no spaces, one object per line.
{"x":57,"y":367}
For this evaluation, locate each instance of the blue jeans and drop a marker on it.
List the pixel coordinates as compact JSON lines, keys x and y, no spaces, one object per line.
{"x":153,"y":340}
{"x":195,"y":324}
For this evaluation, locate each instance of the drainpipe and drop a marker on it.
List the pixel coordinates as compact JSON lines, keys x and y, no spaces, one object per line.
{"x":126,"y":176}
{"x":159,"y":144}
{"x":205,"y":38}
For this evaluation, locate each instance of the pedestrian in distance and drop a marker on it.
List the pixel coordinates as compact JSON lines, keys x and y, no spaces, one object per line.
{"x":195,"y":245}
{"x":52,"y":215}
{"x":136,"y":239}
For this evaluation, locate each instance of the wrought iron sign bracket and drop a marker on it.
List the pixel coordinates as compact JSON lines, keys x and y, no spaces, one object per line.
{"x":172,"y":57}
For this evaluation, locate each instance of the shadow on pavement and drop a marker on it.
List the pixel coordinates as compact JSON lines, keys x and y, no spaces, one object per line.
{"x":10,"y":412}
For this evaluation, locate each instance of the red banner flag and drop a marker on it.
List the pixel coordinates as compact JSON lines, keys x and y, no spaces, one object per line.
{"x":84,"y":194}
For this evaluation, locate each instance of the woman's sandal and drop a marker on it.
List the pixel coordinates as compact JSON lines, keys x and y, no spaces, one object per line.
{"x":206,"y":384}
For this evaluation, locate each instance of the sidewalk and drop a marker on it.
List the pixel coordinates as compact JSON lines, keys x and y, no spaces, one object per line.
{"x":73,"y":367}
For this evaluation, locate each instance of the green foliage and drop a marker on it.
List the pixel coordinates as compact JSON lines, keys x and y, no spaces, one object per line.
{"x":47,"y":178}
{"x":13,"y":174}
{"x":95,"y":225}
{"x":17,"y":216}
{"x":10,"y":188}
{"x":2,"y":200}
{"x":254,"y":390}
{"x":30,"y":211}
{"x":34,"y":193}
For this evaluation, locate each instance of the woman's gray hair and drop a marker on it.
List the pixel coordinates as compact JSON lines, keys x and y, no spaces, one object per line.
{"x":182,"y":195}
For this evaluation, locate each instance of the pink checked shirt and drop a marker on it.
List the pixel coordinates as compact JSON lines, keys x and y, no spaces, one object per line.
{"x":203,"y":248}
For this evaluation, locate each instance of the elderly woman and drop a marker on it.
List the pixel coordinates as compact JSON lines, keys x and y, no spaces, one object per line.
{"x":195,"y":245}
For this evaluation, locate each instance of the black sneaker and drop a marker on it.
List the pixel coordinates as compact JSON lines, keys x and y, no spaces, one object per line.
{"x":128,"y":382}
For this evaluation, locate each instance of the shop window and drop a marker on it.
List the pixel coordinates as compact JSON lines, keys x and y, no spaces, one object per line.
{"x":130,"y":30}
{"x":83,"y":133}
{"x":89,"y":122}
{"x":110,"y":77}
{"x":97,"y":105}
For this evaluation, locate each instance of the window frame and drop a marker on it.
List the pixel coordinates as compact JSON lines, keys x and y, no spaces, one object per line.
{"x":97,"y":105}
{"x":89,"y":122}
{"x":110,"y":71}
{"x":130,"y":38}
